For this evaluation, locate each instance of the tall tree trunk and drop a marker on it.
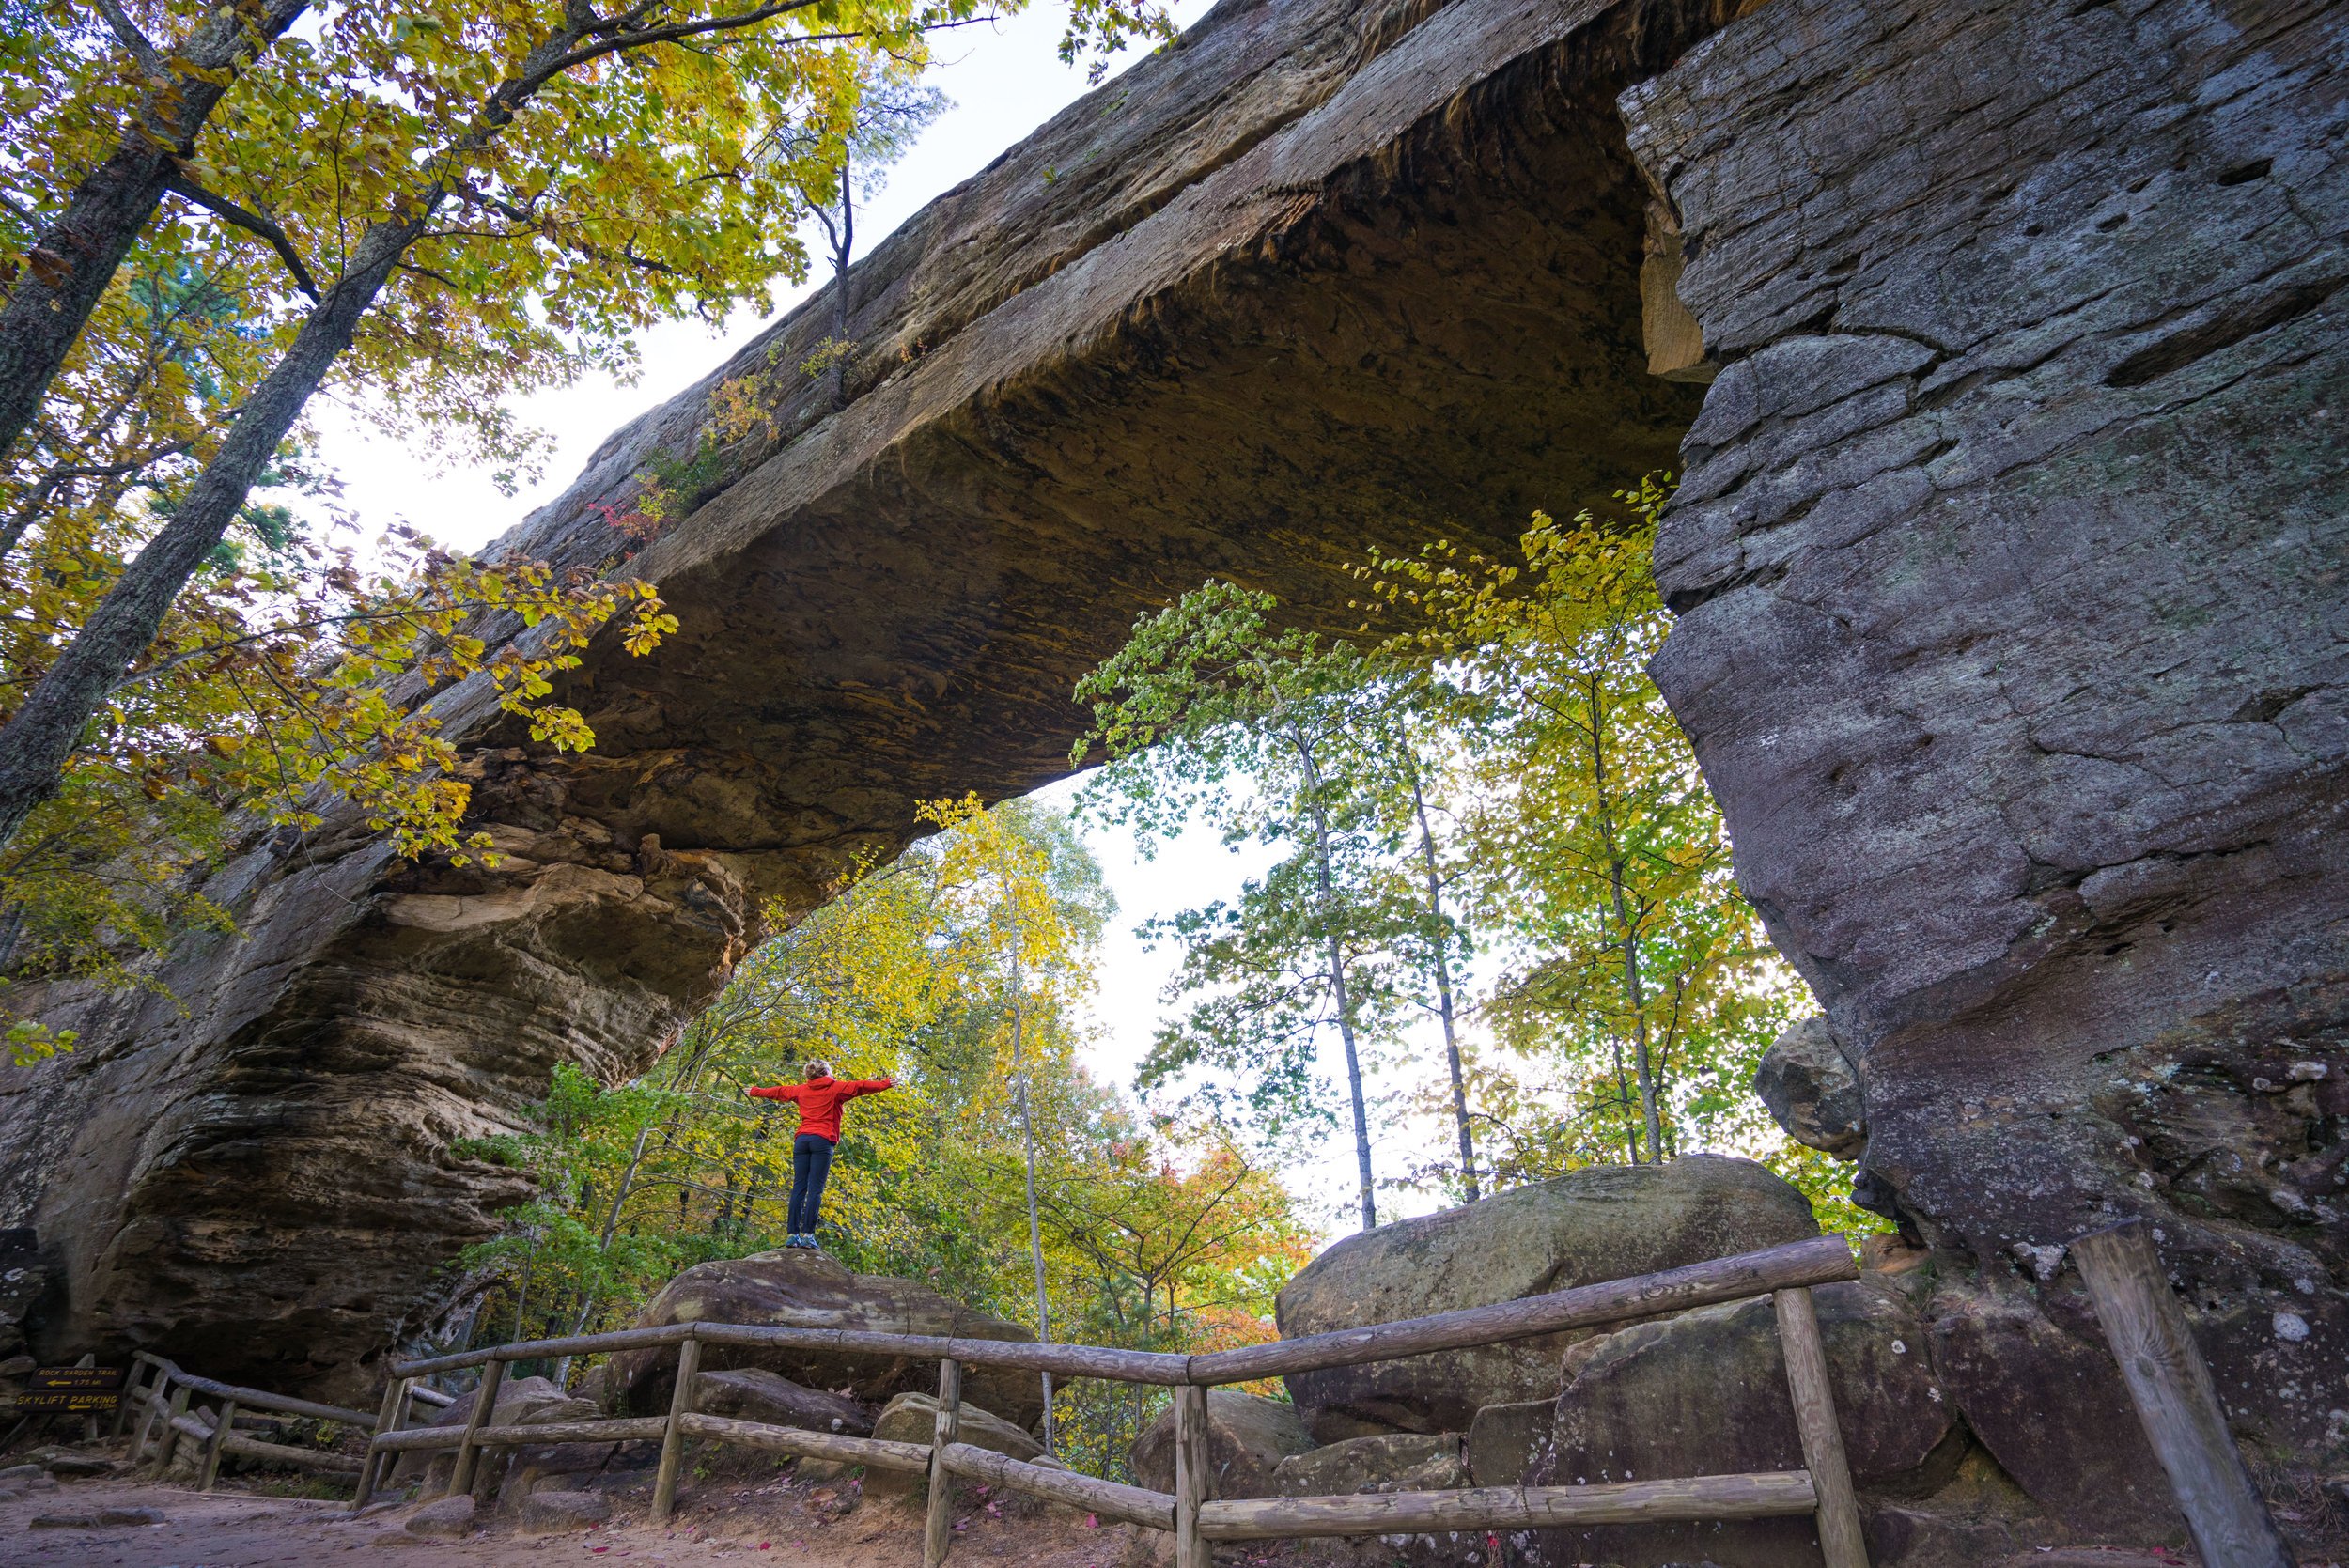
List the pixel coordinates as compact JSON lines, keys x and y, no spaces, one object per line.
{"x":39,"y":740}
{"x":1443,"y":981}
{"x":1036,"y":1230}
{"x":71,"y":262}
{"x":521,"y":1292}
{"x":844,"y":246}
{"x":1336,"y":960}
{"x":592,"y":1291}
{"x":1627,"y":929}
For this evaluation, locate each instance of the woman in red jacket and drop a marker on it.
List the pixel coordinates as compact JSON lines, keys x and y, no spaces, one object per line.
{"x":819,"y":1100}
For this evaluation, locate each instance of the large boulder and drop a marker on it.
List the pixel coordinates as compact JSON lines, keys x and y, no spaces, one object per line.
{"x":913,"y":1419}
{"x":2052,"y":1410}
{"x":521,"y":1402}
{"x":755,"y":1394}
{"x":1391,"y":1461}
{"x":1247,"y":1438}
{"x":1704,"y":1393}
{"x":805,"y":1289}
{"x":1603,"y":1223}
{"x":1504,"y":1440}
{"x":1811,"y":1086}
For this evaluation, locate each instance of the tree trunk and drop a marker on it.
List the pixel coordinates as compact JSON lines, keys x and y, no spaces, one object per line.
{"x":72,"y":260}
{"x":1444,"y":987}
{"x":1627,"y":929}
{"x":39,"y":740}
{"x":1337,"y":978}
{"x":1036,"y":1230}
{"x":844,"y":245}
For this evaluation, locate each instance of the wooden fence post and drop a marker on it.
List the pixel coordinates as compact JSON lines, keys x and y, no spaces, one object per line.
{"x":485,"y":1401}
{"x":2176,"y":1400}
{"x":170,"y":1440}
{"x":1193,"y":1460}
{"x":129,"y":1386}
{"x":153,"y":1413}
{"x":1840,"y":1540}
{"x":378,"y":1464}
{"x":689,"y":1362}
{"x":938,"y":1528}
{"x":225,"y":1417}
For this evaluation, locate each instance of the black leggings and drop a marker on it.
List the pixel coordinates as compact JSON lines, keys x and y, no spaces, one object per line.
{"x":811,"y":1162}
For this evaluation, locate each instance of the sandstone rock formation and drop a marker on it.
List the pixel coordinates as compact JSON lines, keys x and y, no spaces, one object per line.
{"x":1248,"y":1437}
{"x":913,"y":1419}
{"x":755,"y":1394}
{"x":1391,"y":1461}
{"x":521,"y":1401}
{"x":1602,"y":1223}
{"x":2008,"y":568}
{"x":1813,"y":1088}
{"x":1332,"y":272}
{"x":813,"y":1290}
{"x":1704,"y":1393}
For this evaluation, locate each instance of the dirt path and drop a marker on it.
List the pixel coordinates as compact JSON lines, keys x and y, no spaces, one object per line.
{"x":775,"y":1523}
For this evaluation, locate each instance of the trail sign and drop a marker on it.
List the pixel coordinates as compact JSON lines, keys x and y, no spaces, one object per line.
{"x":90,"y":1390}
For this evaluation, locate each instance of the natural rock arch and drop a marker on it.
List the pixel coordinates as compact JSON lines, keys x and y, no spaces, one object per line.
{"x":2008,"y":564}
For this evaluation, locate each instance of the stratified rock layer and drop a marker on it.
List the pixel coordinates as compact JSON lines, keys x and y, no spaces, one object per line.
{"x":2010,"y":562}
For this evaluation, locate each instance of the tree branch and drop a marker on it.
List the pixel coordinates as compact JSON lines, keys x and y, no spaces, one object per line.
{"x":127,"y":33}
{"x":228,"y":212}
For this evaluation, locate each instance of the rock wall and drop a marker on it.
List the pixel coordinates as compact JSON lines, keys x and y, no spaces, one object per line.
{"x":2014,"y":626}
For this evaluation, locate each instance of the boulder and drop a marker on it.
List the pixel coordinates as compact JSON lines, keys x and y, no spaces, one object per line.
{"x":2052,"y":1410}
{"x":1504,"y":1440}
{"x":811,"y":1290}
{"x":100,"y":1518}
{"x":1391,"y":1461}
{"x":521,"y":1402}
{"x":447,"y":1518}
{"x":1811,"y":1087}
{"x":755,"y":1394}
{"x":1704,"y":1393}
{"x":69,"y":1464}
{"x":594,"y":1387}
{"x":547,"y":1512}
{"x":913,"y":1419}
{"x":1248,"y":1436}
{"x":554,"y":1468}
{"x":1591,"y":1225}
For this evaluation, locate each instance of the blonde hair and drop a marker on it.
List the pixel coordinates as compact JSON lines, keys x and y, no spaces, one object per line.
{"x":820,"y":1068}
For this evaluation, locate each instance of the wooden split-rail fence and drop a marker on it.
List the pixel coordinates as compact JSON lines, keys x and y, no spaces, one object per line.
{"x":1822,"y":1488}
{"x":162,"y":1394}
{"x":2165,"y":1376}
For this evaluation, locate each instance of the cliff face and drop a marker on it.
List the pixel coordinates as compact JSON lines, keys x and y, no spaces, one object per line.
{"x":2014,"y":630}
{"x":1326,"y":274}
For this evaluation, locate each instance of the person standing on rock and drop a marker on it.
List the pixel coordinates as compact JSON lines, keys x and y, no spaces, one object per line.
{"x":819,"y":1100}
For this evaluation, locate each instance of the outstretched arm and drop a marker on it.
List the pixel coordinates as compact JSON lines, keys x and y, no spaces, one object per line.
{"x":868,"y":1086}
{"x":774,"y":1092}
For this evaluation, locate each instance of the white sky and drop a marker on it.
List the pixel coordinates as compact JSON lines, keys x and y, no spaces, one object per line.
{"x":1006,"y":79}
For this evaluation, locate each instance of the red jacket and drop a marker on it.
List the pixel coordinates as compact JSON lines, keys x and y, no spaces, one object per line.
{"x":820,"y":1099}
